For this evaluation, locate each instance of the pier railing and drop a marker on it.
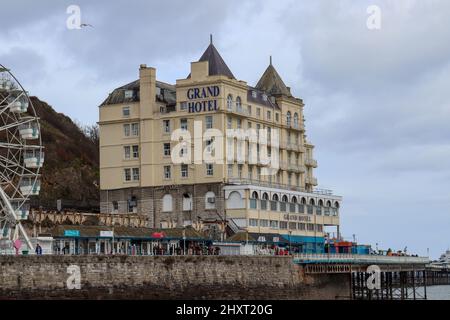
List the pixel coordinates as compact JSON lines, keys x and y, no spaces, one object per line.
{"x":358,"y":259}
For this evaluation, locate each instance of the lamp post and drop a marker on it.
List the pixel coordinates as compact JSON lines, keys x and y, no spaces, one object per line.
{"x":290,"y":232}
{"x":184,"y":240}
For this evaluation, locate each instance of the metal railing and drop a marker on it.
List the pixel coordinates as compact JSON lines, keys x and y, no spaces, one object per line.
{"x":268,"y":184}
{"x":357,"y":258}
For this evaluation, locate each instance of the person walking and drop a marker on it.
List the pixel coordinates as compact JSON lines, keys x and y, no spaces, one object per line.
{"x":38,"y":249}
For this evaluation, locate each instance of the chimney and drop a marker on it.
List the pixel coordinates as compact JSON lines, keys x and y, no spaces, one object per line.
{"x":147,"y":88}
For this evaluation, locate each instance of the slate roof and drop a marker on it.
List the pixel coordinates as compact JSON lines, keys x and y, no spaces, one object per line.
{"x":259,"y":98}
{"x":168,"y":93}
{"x":272,"y":83}
{"x":217,"y":65}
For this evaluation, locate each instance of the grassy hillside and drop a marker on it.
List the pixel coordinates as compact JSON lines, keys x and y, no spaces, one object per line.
{"x":70,"y":169}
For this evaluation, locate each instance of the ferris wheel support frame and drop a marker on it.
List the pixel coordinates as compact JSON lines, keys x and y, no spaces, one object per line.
{"x":15,"y":222}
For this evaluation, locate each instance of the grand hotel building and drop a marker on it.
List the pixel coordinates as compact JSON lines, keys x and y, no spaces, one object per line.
{"x":137,"y":174}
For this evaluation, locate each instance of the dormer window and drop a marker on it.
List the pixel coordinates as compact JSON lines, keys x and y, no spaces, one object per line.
{"x":254,"y":94}
{"x":264,"y":96}
{"x":128,"y":94}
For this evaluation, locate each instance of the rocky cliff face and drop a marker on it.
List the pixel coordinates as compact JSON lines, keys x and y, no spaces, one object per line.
{"x":71,"y":167}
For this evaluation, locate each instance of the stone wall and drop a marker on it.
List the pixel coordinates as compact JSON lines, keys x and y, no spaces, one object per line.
{"x":166,"y":277}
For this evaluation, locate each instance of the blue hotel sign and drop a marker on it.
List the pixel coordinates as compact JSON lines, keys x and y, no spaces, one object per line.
{"x":208,"y":95}
{"x":71,"y":233}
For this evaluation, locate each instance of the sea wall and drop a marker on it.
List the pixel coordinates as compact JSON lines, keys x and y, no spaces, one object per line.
{"x":164,"y":277}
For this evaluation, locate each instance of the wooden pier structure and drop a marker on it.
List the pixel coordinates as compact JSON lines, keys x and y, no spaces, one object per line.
{"x":374,"y":277}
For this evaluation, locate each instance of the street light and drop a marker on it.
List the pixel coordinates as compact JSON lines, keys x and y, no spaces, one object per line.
{"x":290,"y":232}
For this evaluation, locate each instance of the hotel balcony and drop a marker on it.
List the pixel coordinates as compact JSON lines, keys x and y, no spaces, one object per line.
{"x":240,"y":181}
{"x":311,"y":180}
{"x":239,"y":110}
{"x":311,"y":162}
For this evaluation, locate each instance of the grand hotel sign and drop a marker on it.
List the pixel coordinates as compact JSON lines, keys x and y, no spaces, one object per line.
{"x":203,"y":99}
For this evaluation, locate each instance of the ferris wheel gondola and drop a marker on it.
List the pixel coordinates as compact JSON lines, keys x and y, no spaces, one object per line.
{"x":21,"y":158}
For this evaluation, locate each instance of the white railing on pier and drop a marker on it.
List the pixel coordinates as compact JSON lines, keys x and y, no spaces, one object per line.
{"x":359,"y":258}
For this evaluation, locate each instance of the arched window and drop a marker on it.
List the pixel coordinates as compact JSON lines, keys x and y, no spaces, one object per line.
{"x":187,"y":202}
{"x":238,"y":103}
{"x":210,"y":200}
{"x":336,"y":205}
{"x":288,"y":118}
{"x":167,"y":203}
{"x":235,"y":201}
{"x":296,"y":119}
{"x":303,"y":201}
{"x":255,"y":195}
{"x":294,"y":199}
{"x":230,"y":102}
{"x":275,"y":197}
{"x":284,"y":198}
{"x":312,"y":202}
{"x":265,"y":196}
{"x":328,"y":203}
{"x":321,"y":203}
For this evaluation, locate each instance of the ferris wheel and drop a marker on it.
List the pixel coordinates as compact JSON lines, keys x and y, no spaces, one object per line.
{"x":21,"y":158}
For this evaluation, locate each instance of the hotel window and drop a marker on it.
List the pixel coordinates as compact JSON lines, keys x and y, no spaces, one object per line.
{"x":135,"y":151}
{"x":126,"y":111}
{"x":239,"y":123}
{"x":167,"y":173}
{"x":301,"y":208}
{"x":208,"y":144}
{"x":319,"y":227}
{"x":184,"y":171}
{"x":278,"y":177}
{"x":254,"y":94}
{"x":127,"y":173}
{"x":128,"y":94}
{"x":209,"y":169}
{"x":230,"y":170}
{"x":293,"y":225}
{"x":126,"y":130}
{"x":296,"y":120}
{"x":127,"y":152}
{"x":258,"y":112}
{"x":166,"y":149}
{"x":269,"y":134}
{"x":238,"y":103}
{"x":166,"y":126}
{"x":229,"y":122}
{"x":301,"y":226}
{"x":183,"y":106}
{"x":289,"y":178}
{"x":250,"y":172}
{"x":253,"y":222}
{"x":277,"y":117}
{"x":269,"y":115}
{"x":230,"y":102}
{"x":249,"y":110}
{"x":208,"y":122}
{"x":310,"y":227}
{"x":115,"y":206}
{"x":298,"y":179}
{"x":274,"y":224}
{"x":240,"y":171}
{"x":136,"y":174}
{"x":310,"y":209}
{"x":289,"y":138}
{"x":264,"y":223}
{"x":249,"y":125}
{"x":258,"y":170}
{"x":135,"y":129}
{"x":183,"y":124}
{"x":288,"y":118}
{"x":264,"y":96}
{"x":283,"y":225}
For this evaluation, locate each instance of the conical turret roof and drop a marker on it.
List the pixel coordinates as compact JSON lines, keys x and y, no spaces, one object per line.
{"x":217,"y":65}
{"x":272,"y":83}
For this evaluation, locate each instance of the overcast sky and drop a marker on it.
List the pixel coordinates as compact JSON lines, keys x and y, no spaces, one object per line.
{"x":377,"y":101}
